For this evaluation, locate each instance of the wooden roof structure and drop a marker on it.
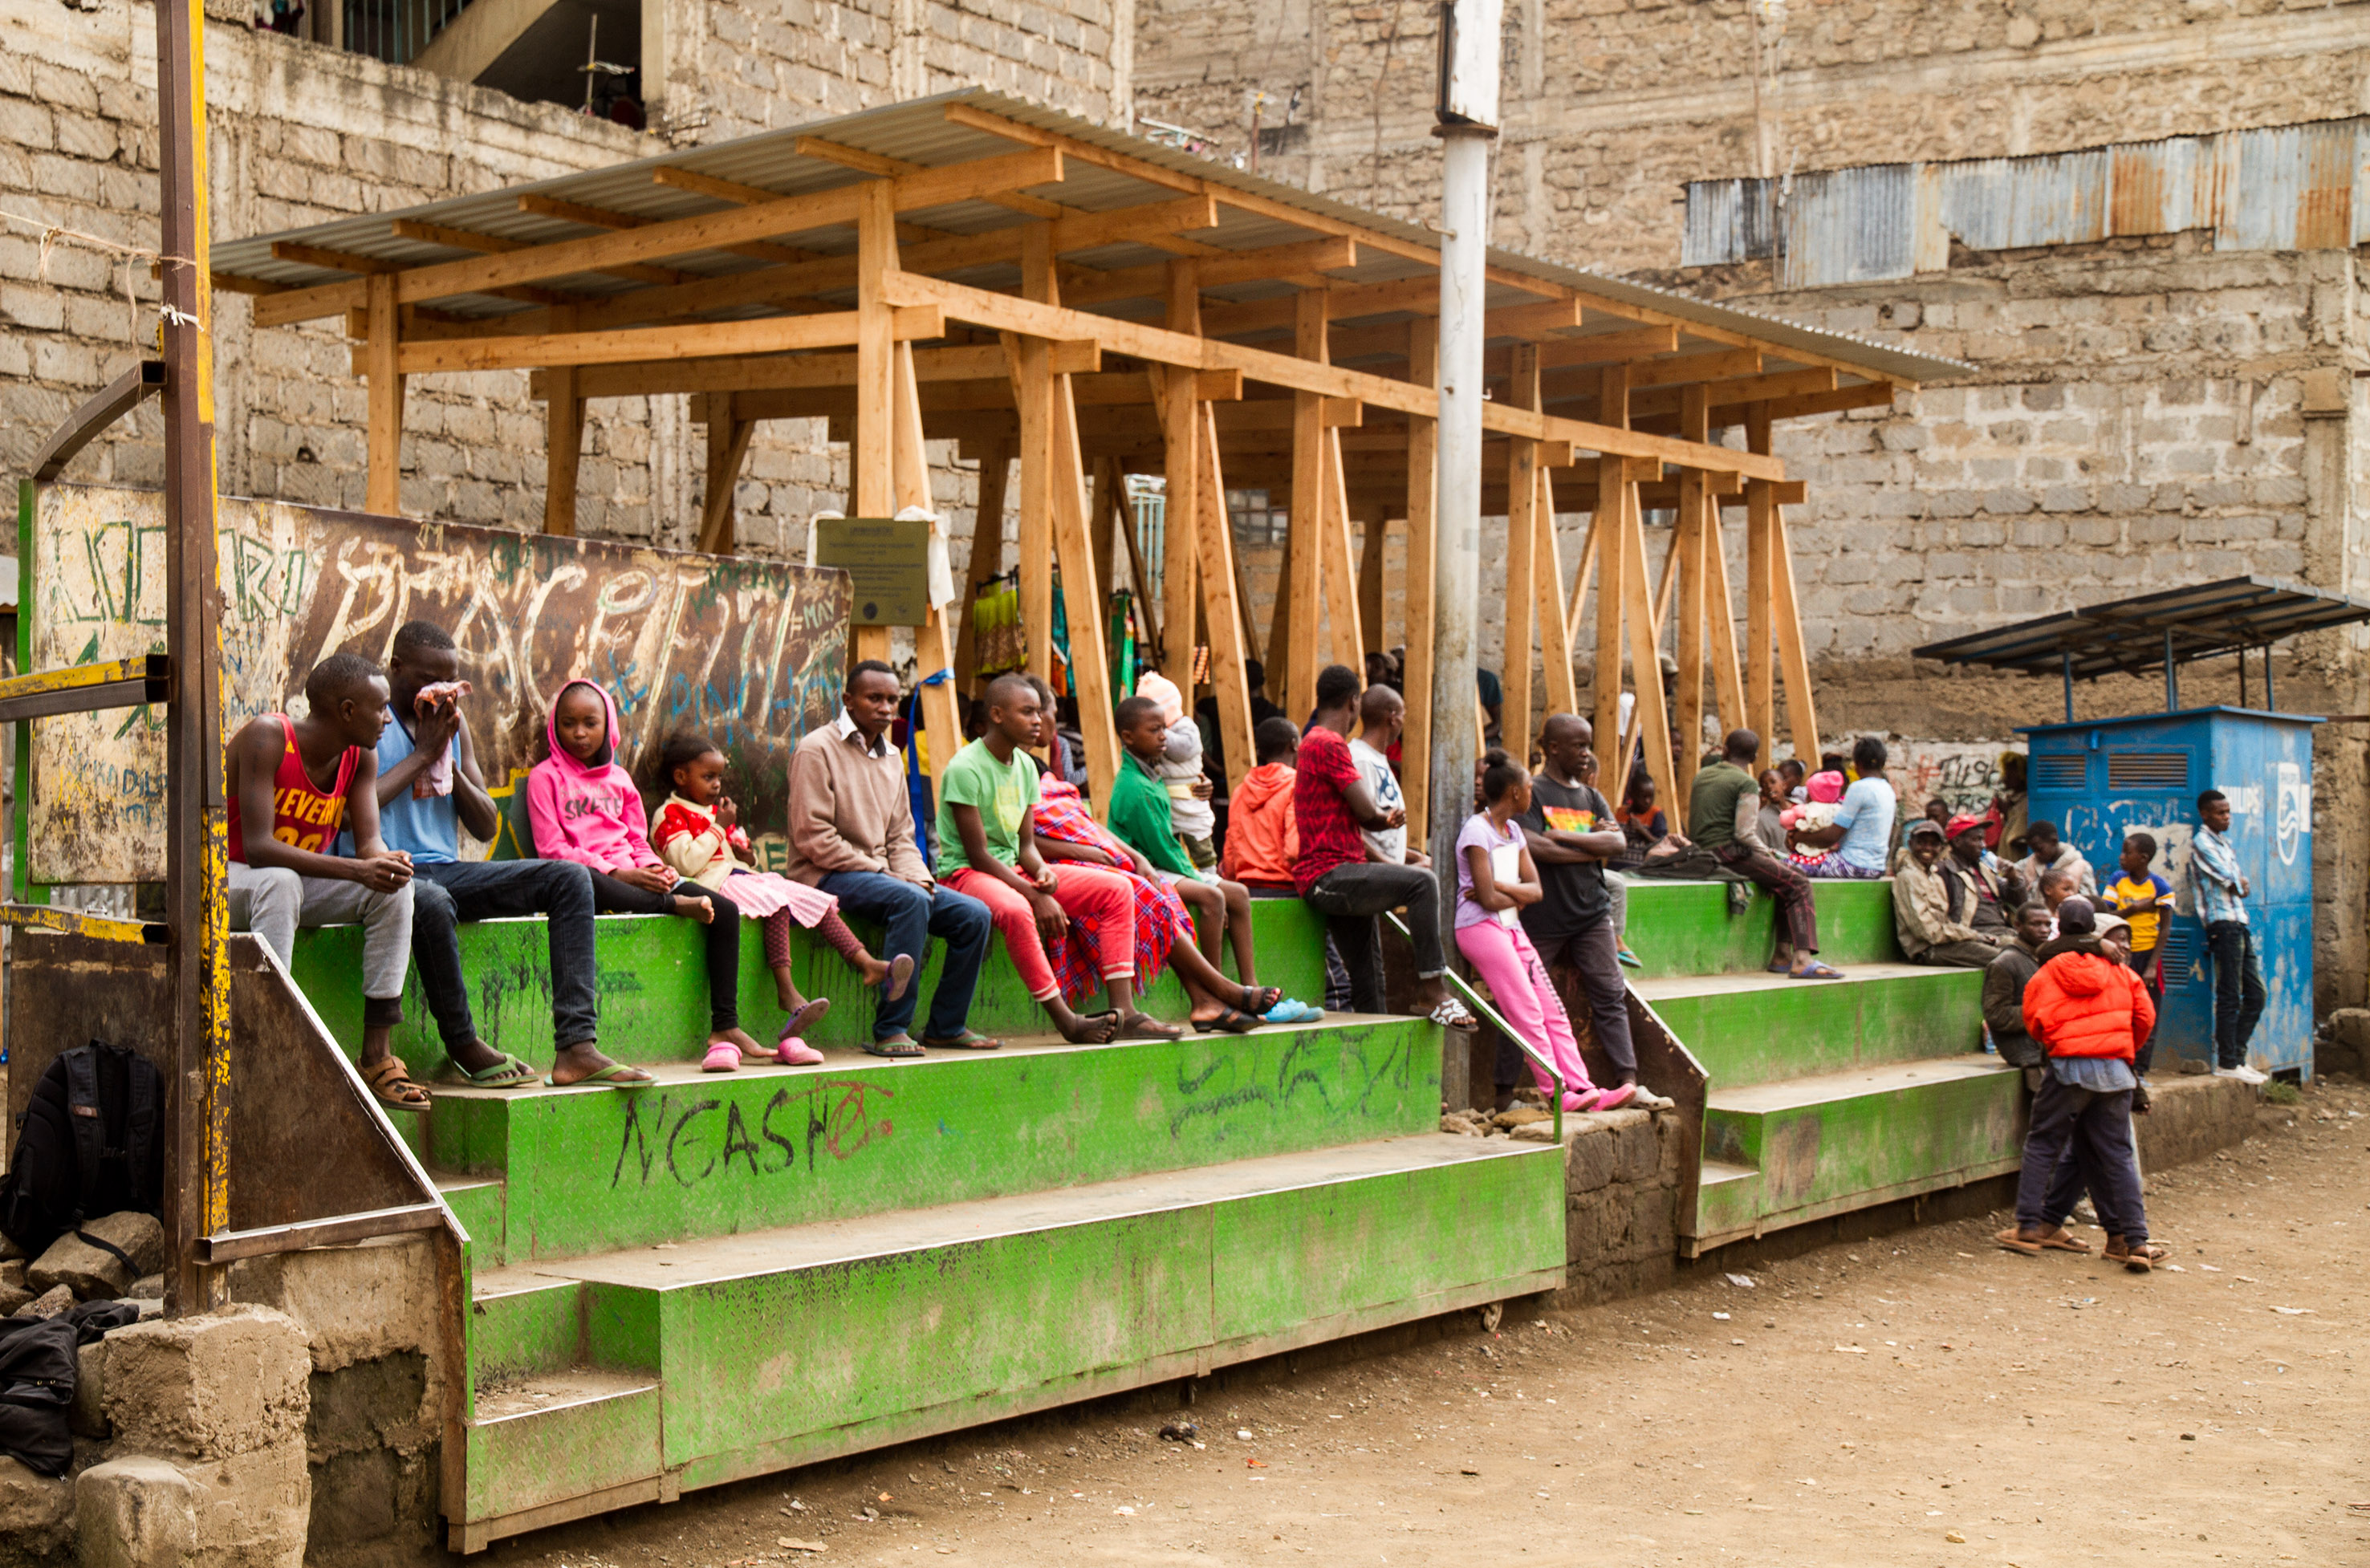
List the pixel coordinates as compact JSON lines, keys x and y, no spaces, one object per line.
{"x":975,"y":267}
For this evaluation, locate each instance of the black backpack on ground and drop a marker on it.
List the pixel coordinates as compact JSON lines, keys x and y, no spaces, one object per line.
{"x":88,"y":1145}
{"x":37,"y":1380}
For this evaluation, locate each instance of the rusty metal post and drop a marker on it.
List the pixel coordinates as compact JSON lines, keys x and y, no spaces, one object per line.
{"x":197,"y":1198}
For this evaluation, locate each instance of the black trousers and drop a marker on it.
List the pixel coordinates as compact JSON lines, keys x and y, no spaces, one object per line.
{"x":2091,"y":1132}
{"x":1350,"y":897}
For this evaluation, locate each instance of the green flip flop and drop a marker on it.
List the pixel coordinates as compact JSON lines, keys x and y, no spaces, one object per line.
{"x":611,"y":1076}
{"x":507,"y":1073}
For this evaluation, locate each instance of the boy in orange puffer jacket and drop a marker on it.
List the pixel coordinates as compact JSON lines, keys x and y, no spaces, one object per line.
{"x":1263,"y":837}
{"x":2090,"y":1012}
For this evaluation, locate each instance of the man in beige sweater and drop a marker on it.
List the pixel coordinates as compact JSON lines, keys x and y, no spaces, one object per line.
{"x":852,"y":835}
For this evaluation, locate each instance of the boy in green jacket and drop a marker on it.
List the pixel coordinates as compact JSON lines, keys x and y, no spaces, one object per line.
{"x":1139,"y":816}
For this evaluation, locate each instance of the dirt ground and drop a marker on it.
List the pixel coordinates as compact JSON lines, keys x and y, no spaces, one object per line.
{"x":1924,"y":1398}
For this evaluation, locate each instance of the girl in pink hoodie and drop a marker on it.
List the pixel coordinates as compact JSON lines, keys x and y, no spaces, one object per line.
{"x":584,"y":808}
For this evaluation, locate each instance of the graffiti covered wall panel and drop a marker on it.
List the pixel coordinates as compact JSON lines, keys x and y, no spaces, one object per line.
{"x":750,"y":652}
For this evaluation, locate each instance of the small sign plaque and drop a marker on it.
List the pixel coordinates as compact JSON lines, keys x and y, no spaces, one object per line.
{"x":890,"y":562}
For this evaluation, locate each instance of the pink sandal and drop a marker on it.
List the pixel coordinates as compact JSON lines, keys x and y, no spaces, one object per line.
{"x":795,"y":1052}
{"x":1581,"y":1099}
{"x":722,"y":1057}
{"x":1618,"y":1096}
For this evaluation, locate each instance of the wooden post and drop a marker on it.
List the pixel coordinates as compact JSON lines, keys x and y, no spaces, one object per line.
{"x":1612,"y":548}
{"x":1279,"y":624}
{"x":1340,"y":587}
{"x":1522,"y":552}
{"x":1185,"y":552}
{"x":1646,"y":667}
{"x":563,"y":449}
{"x":1214,"y":537}
{"x":1305,"y":554}
{"x":728,"y":449}
{"x":1562,"y":691}
{"x":1578,"y":605}
{"x":1760,"y":529}
{"x":1370,"y":581}
{"x":1726,"y":681}
{"x":384,"y":491}
{"x":1687,"y":558}
{"x":872,"y":481}
{"x":986,"y":561}
{"x":1032,"y":375}
{"x":1124,"y":520}
{"x":1422,"y":500}
{"x":934,"y":654}
{"x":1100,"y":514}
{"x":1082,"y":597}
{"x":1802,"y":706}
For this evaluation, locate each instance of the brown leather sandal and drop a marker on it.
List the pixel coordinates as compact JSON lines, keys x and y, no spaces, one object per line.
{"x":2140,"y":1259}
{"x":393,"y":1086}
{"x":2064,"y":1240}
{"x":2018,"y":1239}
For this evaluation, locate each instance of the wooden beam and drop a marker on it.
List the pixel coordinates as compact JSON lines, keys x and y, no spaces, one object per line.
{"x":1688,"y":545}
{"x":1522,"y":552}
{"x":1645,"y":662}
{"x":1305,"y":547}
{"x":934,"y":653}
{"x":383,"y":489}
{"x":1873,"y":395}
{"x":1181,"y":424}
{"x":1728,"y":681}
{"x":872,"y":474}
{"x":1785,"y":612}
{"x":754,"y":372}
{"x":1760,"y":690}
{"x":880,"y":164}
{"x":1422,"y":500}
{"x":986,"y":561}
{"x":1086,"y":286}
{"x":1033,"y":380}
{"x":563,"y":452}
{"x":1561,"y":690}
{"x":494,"y":244}
{"x":1340,"y":564}
{"x":1370,"y":579}
{"x":728,"y":449}
{"x":1214,"y":537}
{"x":1003,"y":312}
{"x":1718,"y":365}
{"x":1082,"y":597}
{"x":603,"y":218}
{"x":1612,"y":539}
{"x":773,"y":335}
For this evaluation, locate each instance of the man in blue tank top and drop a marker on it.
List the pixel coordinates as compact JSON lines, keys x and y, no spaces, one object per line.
{"x":426,"y":825}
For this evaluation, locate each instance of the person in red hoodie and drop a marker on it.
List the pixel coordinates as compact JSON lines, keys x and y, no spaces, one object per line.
{"x":1263,"y":837}
{"x":2089,"y":1013}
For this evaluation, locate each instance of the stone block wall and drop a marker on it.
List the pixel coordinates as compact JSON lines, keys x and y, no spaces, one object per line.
{"x":300,"y":134}
{"x":1621,"y":1194}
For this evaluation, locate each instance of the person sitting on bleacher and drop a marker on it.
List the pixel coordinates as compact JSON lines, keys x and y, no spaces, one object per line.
{"x":427,"y":787}
{"x":1983,"y":892}
{"x":1931,"y":925}
{"x":1263,"y":840}
{"x":2051,"y":853}
{"x":1724,"y":817}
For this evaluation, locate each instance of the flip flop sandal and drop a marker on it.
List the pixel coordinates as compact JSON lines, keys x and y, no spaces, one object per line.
{"x":973,"y":1042}
{"x":902,"y":1051}
{"x":1229,"y":1021}
{"x":1251,"y":993}
{"x":393,"y":1087}
{"x":722,"y":1057}
{"x":805,"y":1018}
{"x":507,"y":1073}
{"x":1817,"y":972}
{"x":610,"y":1076}
{"x":1148,"y":1030}
{"x":1453,"y":1014}
{"x":2141,"y":1259}
{"x":1291,"y":1011}
{"x":2015,"y":1241}
{"x":1628,"y":958}
{"x":2064,"y":1240}
{"x":901,"y":975}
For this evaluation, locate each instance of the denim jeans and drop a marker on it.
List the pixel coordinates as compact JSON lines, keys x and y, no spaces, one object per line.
{"x":1349,"y":897}
{"x":719,"y":938}
{"x":911,"y":916}
{"x":2238,"y":993}
{"x":559,"y":891}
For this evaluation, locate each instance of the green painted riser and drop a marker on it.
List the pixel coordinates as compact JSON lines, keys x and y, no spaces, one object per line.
{"x":535,"y":1325}
{"x":653,"y":985}
{"x":1802,"y":1028}
{"x":1684,"y":928}
{"x":591,"y":1171}
{"x":1860,"y":1150}
{"x":569,"y":1450}
{"x":765,"y":1371}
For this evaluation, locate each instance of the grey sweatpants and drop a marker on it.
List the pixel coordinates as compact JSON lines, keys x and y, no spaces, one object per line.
{"x":272,"y":901}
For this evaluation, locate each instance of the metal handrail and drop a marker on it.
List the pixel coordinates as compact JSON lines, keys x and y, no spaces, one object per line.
{"x":1472,"y":999}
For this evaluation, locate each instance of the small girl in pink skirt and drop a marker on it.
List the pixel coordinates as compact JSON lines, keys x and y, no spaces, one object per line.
{"x":697,"y":831}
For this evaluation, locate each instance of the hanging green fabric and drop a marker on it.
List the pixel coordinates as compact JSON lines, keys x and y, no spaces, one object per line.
{"x":995,"y":626}
{"x":1122,"y":643}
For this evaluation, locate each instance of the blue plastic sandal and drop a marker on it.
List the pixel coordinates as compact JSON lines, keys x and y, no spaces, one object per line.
{"x":1291,"y":1011}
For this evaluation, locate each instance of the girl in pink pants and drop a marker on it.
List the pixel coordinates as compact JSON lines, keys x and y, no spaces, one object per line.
{"x":1495,"y":878}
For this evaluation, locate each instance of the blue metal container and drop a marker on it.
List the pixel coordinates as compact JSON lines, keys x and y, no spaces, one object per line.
{"x":2101,"y":781}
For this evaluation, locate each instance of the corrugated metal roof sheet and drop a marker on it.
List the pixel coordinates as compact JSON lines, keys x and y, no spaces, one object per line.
{"x":2281,"y":187}
{"x":918,"y":133}
{"x":2132,"y":636}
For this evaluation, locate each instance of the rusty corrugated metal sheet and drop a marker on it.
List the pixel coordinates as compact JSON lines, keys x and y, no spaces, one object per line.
{"x":2281,"y":187}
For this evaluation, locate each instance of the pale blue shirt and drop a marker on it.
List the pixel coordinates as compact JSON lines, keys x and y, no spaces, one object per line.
{"x":1865,"y":816}
{"x":428,"y":830}
{"x":2213,"y":878}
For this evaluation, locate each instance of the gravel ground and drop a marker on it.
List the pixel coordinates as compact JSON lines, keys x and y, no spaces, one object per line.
{"x":1921,"y":1398}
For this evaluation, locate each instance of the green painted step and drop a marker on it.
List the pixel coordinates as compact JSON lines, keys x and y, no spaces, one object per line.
{"x":1845,"y":1141}
{"x":1751,"y":1028}
{"x":1684,"y":928}
{"x":653,"y":985}
{"x":783,"y":1347}
{"x":589,"y":1170}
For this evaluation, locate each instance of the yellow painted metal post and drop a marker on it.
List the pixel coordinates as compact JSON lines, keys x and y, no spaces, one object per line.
{"x":196,"y":872}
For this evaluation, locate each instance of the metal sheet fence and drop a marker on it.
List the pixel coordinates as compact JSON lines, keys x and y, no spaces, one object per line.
{"x":2281,"y":187}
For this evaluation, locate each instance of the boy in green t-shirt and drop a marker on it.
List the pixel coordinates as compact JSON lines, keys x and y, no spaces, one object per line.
{"x":1140,"y":816}
{"x":987,"y":848}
